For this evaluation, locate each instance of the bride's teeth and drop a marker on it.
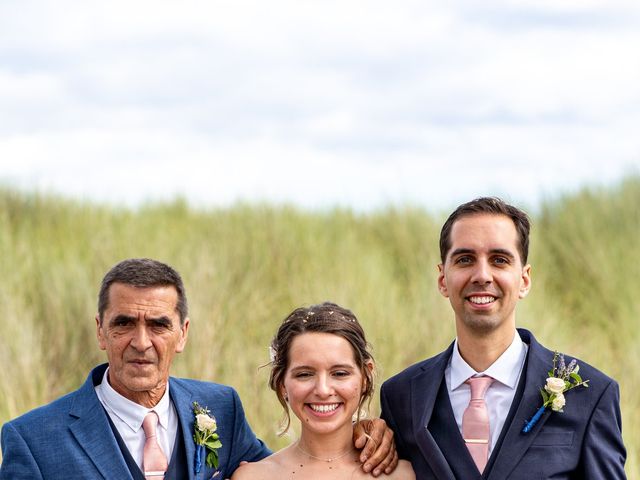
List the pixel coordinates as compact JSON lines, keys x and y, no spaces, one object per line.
{"x":324,"y":408}
{"x":481,"y":300}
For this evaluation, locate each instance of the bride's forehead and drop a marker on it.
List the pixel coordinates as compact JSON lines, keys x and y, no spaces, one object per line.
{"x":320,"y":347}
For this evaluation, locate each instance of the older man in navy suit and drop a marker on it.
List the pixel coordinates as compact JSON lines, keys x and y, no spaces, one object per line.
{"x":130,"y":419}
{"x":460,"y":414}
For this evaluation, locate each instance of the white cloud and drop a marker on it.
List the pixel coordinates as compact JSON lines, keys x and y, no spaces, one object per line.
{"x":356,"y":103}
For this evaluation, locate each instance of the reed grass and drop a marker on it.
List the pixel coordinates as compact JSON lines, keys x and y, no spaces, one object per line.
{"x":246,"y":267}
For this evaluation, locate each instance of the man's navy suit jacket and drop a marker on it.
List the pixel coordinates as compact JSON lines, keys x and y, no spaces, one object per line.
{"x":583,"y":442}
{"x":71,"y":437}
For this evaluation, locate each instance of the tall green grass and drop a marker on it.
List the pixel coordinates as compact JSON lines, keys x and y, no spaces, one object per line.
{"x":247,"y":266}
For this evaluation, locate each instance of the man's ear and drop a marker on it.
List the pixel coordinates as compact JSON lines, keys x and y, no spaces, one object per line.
{"x":525,"y":283}
{"x":184,"y":334}
{"x":102,"y":341}
{"x":442,"y":282}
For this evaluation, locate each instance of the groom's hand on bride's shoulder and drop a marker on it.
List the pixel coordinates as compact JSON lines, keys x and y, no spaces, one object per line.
{"x":375,"y":439}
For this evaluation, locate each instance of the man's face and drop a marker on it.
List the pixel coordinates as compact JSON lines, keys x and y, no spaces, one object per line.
{"x":483,"y":276}
{"x":141,"y":333}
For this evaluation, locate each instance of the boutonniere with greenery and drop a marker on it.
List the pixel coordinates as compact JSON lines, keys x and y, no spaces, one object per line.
{"x":205,"y":436}
{"x":562,"y":378}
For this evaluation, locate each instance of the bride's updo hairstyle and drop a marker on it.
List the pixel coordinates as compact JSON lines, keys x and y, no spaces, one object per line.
{"x":323,"y":318}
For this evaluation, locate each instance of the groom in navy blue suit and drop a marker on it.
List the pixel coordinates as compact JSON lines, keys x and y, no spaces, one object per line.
{"x":96,"y":432}
{"x":484,"y":273}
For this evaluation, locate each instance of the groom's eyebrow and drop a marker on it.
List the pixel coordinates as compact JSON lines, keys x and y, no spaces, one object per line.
{"x":461,"y":251}
{"x":503,"y":251}
{"x":493,"y":251}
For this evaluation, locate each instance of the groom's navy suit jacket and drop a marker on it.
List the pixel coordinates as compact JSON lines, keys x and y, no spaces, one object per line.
{"x":71,"y":438}
{"x":583,"y":442}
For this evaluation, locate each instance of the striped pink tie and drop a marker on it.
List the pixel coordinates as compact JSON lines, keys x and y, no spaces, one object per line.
{"x":475,"y":422}
{"x":154,"y":460}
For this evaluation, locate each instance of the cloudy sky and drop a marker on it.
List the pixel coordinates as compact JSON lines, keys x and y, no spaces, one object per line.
{"x":318,"y":103}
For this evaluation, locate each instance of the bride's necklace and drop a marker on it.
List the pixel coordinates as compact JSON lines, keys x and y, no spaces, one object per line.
{"x":327,"y":460}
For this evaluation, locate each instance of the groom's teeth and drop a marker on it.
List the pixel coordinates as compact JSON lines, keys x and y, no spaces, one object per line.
{"x":481,"y":300}
{"x":324,"y":408}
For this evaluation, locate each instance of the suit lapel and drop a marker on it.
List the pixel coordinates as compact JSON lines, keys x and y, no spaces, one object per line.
{"x":516,"y":443}
{"x":183,"y":402}
{"x":91,"y":429}
{"x":424,"y":390}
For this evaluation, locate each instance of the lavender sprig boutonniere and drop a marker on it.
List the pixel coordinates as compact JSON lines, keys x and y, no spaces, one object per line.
{"x":205,"y":436}
{"x":561,"y":379}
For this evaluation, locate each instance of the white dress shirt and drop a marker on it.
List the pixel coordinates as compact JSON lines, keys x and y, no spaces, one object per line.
{"x":505,"y":371}
{"x":127,"y":417}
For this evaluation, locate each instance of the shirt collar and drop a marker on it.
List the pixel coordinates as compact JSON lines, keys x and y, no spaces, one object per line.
{"x":506,"y":369}
{"x":130,"y":412}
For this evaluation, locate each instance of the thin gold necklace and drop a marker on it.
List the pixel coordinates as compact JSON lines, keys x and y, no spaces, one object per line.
{"x":327,"y":460}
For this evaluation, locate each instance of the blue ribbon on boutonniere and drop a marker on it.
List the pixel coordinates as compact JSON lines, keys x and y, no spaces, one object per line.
{"x":561,"y":378}
{"x":199,"y":452}
{"x":531,"y":423}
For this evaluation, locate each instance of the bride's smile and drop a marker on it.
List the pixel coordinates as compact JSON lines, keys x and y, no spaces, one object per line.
{"x":324,"y":409}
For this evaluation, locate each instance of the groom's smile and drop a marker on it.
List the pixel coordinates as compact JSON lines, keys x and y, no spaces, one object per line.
{"x":482,"y":299}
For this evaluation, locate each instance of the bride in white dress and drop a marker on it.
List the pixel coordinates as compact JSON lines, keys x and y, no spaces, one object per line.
{"x":322,"y":371}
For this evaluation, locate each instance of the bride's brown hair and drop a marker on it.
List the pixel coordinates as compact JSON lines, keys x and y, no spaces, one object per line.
{"x":326,"y":317}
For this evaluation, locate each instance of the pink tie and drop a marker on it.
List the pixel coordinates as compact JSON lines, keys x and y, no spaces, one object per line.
{"x":475,"y":422}
{"x":154,"y":460}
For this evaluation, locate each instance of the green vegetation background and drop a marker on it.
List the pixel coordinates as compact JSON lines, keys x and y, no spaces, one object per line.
{"x":247,"y":266}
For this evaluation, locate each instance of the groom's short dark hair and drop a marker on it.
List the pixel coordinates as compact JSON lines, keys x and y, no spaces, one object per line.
{"x":491,"y":205}
{"x":143,"y":272}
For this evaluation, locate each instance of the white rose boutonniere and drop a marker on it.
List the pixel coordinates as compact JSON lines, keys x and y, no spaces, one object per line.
{"x":558,"y":403}
{"x":554,"y":385}
{"x":205,"y":437}
{"x":562,"y":378}
{"x":206,"y":423}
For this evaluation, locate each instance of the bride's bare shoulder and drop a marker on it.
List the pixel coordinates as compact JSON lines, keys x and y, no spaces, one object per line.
{"x":267,"y":468}
{"x":403,"y":471}
{"x":254,"y":470}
